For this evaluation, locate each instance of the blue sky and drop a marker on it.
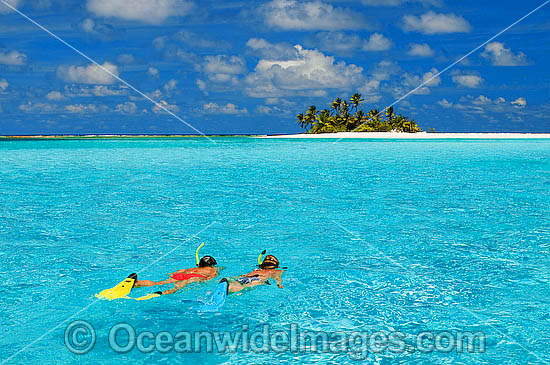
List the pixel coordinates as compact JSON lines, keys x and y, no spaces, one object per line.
{"x":251,"y":66}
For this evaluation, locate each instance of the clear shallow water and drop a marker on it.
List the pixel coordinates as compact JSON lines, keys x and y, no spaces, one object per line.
{"x":378,"y":235}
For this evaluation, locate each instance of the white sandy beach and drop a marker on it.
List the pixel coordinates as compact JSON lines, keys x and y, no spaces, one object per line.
{"x":421,"y":135}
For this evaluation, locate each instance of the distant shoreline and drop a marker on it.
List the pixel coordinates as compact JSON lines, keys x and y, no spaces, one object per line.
{"x":341,"y":135}
{"x":419,"y":135}
{"x":121,"y":136}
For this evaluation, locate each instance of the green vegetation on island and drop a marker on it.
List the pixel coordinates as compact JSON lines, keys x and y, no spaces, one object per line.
{"x":344,"y":116}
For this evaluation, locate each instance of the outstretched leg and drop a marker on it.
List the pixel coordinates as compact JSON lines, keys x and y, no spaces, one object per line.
{"x":177,"y":286}
{"x":235,"y":287}
{"x":143,"y":283}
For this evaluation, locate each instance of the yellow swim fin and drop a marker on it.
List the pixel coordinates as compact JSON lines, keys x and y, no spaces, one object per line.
{"x":150,"y":296}
{"x":121,"y":290}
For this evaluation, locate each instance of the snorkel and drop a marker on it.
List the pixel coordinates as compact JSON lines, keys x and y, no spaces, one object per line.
{"x":197,"y":253}
{"x":269,"y":260}
{"x":206,"y":260}
{"x":260,"y":258}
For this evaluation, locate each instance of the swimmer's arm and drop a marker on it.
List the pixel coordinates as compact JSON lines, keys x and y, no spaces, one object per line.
{"x":278,"y":278}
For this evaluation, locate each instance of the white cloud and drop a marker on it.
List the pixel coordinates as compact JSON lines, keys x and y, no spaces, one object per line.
{"x":445,"y":103}
{"x":13,"y":58}
{"x":3,"y":84}
{"x":83,"y":108}
{"x":194,"y":41}
{"x":434,"y":23}
{"x":371,"y":91}
{"x":55,"y":95}
{"x":160,"y":42}
{"x":213,"y":108}
{"x":201,"y":84}
{"x":155,"y":95}
{"x":471,"y":81}
{"x":483,"y":100}
{"x":160,"y":107}
{"x":126,"y":108}
{"x":73,"y":90}
{"x":341,"y":42}
{"x":226,"y":65}
{"x":170,"y":86}
{"x":263,"y":49}
{"x":6,"y":9}
{"x":88,"y":25}
{"x":31,"y":107}
{"x":102,"y":90}
{"x":98,"y":28}
{"x":434,"y":81}
{"x":383,"y":71}
{"x":222,"y":72}
{"x":126,"y":59}
{"x":495,"y":110}
{"x":309,"y":15}
{"x":91,"y":74}
{"x":278,"y":109}
{"x":411,"y":82}
{"x":153,"y":72}
{"x":499,"y":55}
{"x":334,"y":42}
{"x":147,"y":11}
{"x":310,"y":73}
{"x":420,"y":50}
{"x":519,"y":102}
{"x":377,"y":42}
{"x":399,"y":2}
{"x":264,"y":109}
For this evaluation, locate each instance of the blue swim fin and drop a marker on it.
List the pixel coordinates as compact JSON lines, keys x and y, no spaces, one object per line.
{"x":217,"y":300}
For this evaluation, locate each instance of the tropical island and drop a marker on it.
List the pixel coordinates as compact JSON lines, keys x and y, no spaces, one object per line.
{"x":344,"y":116}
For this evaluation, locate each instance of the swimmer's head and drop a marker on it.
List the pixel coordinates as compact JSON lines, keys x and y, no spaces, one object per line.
{"x":207,"y":261}
{"x":270,"y":262}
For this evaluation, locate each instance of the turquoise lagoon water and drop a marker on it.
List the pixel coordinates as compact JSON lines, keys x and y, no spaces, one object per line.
{"x":405,"y":236}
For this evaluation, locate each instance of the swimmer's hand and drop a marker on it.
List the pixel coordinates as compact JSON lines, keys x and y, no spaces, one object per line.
{"x":280,"y":286}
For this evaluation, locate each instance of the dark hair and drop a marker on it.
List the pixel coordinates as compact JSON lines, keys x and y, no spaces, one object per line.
{"x":207,"y":261}
{"x":269,"y":262}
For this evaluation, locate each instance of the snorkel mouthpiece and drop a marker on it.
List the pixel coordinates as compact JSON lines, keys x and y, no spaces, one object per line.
{"x":197,"y":253}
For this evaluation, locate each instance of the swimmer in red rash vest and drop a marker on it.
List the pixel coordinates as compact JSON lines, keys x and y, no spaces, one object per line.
{"x":205,"y":271}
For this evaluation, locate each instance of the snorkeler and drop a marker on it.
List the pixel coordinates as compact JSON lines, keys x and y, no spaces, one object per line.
{"x":267,"y":269}
{"x":204,"y":271}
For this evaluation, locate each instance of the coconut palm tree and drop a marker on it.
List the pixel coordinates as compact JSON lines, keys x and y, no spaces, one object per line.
{"x":338,"y":118}
{"x":311,"y":114}
{"x":344,"y":108}
{"x":301,"y":120}
{"x":356,"y":100}
{"x":322,"y":123}
{"x":358,"y":119}
{"x":336,"y":105}
{"x":390,"y":115}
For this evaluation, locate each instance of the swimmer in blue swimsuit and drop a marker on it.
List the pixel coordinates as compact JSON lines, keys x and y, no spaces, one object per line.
{"x":268,"y":269}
